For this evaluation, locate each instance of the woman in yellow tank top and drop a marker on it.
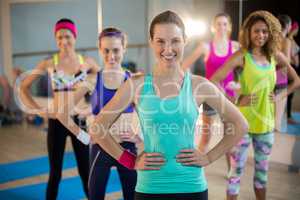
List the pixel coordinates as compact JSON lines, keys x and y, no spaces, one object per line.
{"x":260,"y":40}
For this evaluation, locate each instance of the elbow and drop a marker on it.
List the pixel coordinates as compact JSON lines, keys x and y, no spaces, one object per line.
{"x":297,"y":82}
{"x":243,"y":126}
{"x":24,"y":87}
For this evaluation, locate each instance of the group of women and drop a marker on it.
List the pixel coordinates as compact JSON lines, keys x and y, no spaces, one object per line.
{"x":171,"y":165}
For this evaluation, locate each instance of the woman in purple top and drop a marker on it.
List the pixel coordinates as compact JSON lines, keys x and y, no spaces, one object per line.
{"x":215,"y":53}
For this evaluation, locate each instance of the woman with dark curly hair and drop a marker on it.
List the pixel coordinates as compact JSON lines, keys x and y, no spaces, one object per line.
{"x":260,"y":39}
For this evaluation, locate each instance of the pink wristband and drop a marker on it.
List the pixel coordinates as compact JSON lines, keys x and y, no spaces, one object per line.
{"x":127,"y":159}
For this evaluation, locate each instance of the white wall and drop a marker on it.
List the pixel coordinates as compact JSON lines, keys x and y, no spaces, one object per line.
{"x":130,"y":17}
{"x":32,"y":27}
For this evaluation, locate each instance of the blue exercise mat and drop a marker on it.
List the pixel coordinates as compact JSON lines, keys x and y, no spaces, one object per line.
{"x":32,"y":167}
{"x":69,"y":188}
{"x":292,"y":129}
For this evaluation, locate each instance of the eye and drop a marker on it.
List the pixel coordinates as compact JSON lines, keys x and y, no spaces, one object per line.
{"x":176,"y":41}
{"x":265,"y":31}
{"x":256,"y":30}
{"x":159,"y":41}
{"x":116,"y":50}
{"x":106,"y":51}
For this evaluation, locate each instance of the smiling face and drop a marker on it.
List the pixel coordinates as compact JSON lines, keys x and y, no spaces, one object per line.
{"x":112,"y":51}
{"x":168,"y":44}
{"x":65,"y":40}
{"x":221,"y":26}
{"x":259,"y":34}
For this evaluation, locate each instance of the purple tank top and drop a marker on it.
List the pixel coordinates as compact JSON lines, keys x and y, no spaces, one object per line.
{"x":102,"y":95}
{"x":214,"y":62}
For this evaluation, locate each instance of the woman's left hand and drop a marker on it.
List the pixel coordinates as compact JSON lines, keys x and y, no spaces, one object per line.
{"x":192,"y":157}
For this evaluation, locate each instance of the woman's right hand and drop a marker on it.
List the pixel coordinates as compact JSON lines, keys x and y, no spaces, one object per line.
{"x":149,"y":161}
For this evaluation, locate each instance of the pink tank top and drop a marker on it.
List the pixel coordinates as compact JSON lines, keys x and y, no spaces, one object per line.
{"x":281,"y":78}
{"x":214,"y":62}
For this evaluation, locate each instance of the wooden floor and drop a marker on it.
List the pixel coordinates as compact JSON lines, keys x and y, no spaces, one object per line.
{"x":20,"y":142}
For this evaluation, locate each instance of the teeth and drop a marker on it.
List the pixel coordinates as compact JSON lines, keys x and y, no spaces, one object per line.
{"x":168,"y":57}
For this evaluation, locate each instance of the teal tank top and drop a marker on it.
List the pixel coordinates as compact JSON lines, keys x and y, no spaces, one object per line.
{"x":168,"y":126}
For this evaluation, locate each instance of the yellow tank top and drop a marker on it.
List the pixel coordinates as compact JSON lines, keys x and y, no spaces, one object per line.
{"x":259,"y":80}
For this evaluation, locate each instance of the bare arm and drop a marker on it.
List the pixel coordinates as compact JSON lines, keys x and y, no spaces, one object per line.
{"x":295,"y":60}
{"x":237,"y":124}
{"x":99,"y":130}
{"x":67,"y":101}
{"x":24,"y":89}
{"x":294,"y":54}
{"x":285,"y":66}
{"x":93,"y":65}
{"x":236,"y":60}
{"x":286,"y":48}
{"x":200,"y":50}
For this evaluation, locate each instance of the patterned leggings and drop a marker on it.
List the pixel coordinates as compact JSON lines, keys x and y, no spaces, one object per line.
{"x":262,"y":145}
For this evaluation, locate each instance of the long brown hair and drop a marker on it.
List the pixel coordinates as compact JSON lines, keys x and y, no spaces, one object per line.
{"x":274,"y":40}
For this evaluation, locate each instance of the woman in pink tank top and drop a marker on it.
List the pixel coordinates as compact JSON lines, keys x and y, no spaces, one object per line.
{"x":215,"y":53}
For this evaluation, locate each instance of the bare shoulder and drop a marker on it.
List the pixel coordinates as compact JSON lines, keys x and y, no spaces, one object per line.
{"x":237,"y":58}
{"x":201,"y":85}
{"x":239,"y":53}
{"x":279,"y":56}
{"x":45,"y":64}
{"x":89,"y":59}
{"x":92,"y":64}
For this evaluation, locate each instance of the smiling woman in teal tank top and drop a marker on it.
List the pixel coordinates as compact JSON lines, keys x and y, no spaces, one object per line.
{"x":167,"y":101}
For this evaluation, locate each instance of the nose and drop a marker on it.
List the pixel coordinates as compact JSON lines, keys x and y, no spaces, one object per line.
{"x":260,"y":34}
{"x":168,"y":47}
{"x":64,"y":41}
{"x":111,"y":55}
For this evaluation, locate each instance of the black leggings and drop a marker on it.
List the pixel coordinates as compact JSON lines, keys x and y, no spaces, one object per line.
{"x":178,"y":196}
{"x":56,"y":140}
{"x":101,"y":164}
